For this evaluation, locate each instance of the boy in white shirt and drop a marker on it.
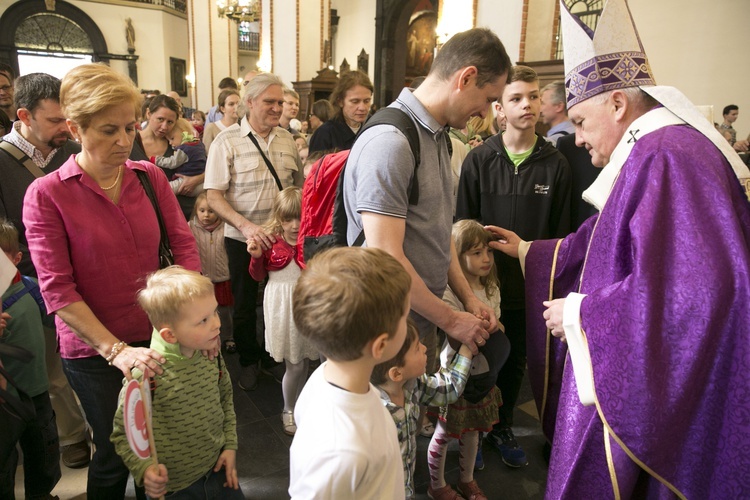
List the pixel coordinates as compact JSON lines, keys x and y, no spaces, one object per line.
{"x":352,"y":304}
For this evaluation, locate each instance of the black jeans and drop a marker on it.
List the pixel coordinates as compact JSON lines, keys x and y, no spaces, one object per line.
{"x":245,"y":317}
{"x":511,"y":374}
{"x":98,"y":388}
{"x":41,"y":454}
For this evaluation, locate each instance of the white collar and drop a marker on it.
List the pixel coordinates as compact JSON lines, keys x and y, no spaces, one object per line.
{"x":677,"y":110}
{"x":598,"y":193}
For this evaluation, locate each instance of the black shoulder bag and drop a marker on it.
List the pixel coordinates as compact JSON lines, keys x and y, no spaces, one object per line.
{"x":166,"y":258}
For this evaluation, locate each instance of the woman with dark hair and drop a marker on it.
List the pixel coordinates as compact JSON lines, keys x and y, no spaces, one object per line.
{"x":322,"y":111}
{"x":229,"y":101}
{"x":351,"y":99}
{"x":93,"y":234}
{"x":161,"y":116}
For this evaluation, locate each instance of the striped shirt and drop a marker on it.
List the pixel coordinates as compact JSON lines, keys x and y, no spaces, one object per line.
{"x":440,"y":389}
{"x":236,"y":167}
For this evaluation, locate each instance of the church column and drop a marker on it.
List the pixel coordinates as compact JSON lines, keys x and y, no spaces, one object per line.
{"x":213,"y":51}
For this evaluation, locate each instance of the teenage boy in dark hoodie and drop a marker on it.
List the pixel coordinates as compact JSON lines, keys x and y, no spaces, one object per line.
{"x":519,"y":181}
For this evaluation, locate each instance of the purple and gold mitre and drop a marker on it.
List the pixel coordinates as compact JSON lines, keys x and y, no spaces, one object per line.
{"x":610,"y":58}
{"x":607,"y":72}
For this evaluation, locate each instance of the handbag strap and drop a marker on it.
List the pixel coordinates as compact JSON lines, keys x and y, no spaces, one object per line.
{"x":149,"y":188}
{"x":22,"y":158}
{"x":268,"y":162}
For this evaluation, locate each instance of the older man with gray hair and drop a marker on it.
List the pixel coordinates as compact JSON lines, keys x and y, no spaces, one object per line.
{"x":248,"y":164}
{"x":555,"y":112}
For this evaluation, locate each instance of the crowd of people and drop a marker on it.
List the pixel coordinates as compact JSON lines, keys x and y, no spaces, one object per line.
{"x":145,"y":237}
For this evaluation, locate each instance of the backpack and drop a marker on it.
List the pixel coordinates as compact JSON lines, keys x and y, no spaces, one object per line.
{"x":31,"y":287}
{"x":323,"y":221}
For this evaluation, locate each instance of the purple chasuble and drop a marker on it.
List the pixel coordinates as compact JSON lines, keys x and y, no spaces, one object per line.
{"x":667,"y":323}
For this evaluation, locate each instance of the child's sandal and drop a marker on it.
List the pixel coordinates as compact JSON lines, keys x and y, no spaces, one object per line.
{"x":471,"y":491}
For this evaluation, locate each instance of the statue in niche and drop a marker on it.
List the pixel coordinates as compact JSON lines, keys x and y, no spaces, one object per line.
{"x":130,"y":34}
{"x":363,"y":61}
{"x":411,"y":45}
{"x":50,"y":4}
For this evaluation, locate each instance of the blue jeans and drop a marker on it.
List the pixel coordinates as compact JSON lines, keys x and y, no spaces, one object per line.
{"x":208,"y":487}
{"x":41,"y":454}
{"x":98,"y":387}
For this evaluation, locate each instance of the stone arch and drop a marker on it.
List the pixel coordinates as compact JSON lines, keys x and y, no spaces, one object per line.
{"x":20,"y":12}
{"x":391,"y":26}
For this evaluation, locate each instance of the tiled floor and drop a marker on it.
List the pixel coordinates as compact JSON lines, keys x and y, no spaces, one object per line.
{"x":263,"y":457}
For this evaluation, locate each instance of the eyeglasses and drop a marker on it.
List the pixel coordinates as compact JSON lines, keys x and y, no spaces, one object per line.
{"x":6,"y":88}
{"x":244,"y":84}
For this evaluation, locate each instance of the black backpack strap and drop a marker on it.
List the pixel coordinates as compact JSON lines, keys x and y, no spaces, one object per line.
{"x":403,"y":122}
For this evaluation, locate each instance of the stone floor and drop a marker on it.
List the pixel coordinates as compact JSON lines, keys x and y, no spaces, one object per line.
{"x":263,"y":456}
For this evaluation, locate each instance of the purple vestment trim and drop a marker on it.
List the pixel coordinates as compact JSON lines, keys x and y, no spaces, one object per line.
{"x":619,"y":70}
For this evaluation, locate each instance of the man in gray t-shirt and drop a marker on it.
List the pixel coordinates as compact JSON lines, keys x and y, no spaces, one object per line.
{"x":467,"y":75}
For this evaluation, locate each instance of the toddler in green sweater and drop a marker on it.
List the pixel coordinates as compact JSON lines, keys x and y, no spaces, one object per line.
{"x":193,"y":417}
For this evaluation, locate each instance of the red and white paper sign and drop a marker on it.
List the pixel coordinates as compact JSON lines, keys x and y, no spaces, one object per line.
{"x":136,"y":409}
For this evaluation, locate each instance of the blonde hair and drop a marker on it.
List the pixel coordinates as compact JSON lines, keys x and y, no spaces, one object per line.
{"x":286,"y":206}
{"x":91,"y":88}
{"x":468,"y":234}
{"x":198,"y":199}
{"x":8,"y":237}
{"x":168,"y":290}
{"x":182,"y":125}
{"x":481,"y":126}
{"x":349,"y":296}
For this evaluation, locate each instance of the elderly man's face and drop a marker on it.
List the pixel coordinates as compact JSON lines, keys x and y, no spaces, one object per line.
{"x":596,"y":128}
{"x":264,"y":111}
{"x":548,"y":108}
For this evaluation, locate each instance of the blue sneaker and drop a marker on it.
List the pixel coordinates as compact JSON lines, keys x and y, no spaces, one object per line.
{"x":479,"y":463}
{"x":505,"y":442}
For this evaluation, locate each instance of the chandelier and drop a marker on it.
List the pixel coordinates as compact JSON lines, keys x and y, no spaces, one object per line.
{"x":239,"y":10}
